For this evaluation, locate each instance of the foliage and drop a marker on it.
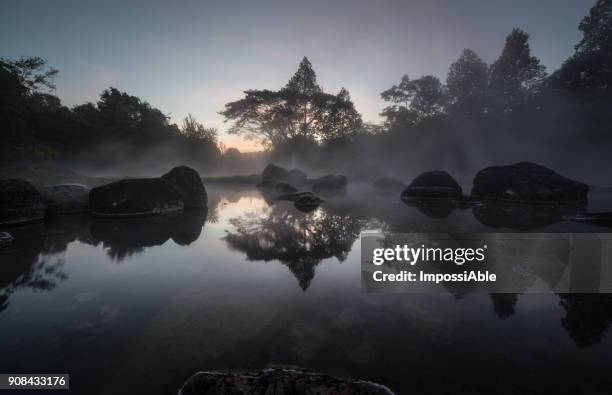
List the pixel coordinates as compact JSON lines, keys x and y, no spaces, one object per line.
{"x":300,"y":109}
{"x":467,"y":84}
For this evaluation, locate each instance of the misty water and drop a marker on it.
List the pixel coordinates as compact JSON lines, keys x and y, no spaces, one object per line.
{"x":138,"y":305}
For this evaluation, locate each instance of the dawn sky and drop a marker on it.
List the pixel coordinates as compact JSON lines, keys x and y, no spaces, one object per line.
{"x":194,"y":56}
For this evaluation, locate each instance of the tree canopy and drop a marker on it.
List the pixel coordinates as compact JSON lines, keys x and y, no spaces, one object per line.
{"x":300,"y":109}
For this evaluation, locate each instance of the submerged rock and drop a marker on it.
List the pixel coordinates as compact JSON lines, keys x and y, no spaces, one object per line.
{"x":278,"y":382}
{"x":330,"y":184}
{"x":433,"y":185}
{"x":388,"y":186}
{"x":526,"y":181}
{"x":66,"y":198}
{"x":135,"y":197}
{"x":5,"y":239}
{"x":188,"y":185}
{"x":20,"y":202}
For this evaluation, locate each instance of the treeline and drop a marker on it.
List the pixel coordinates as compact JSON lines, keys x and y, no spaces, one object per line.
{"x":118,"y":129}
{"x":482,"y":114}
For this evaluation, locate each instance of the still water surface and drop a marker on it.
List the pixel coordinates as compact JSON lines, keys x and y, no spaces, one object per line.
{"x":137,"y":306}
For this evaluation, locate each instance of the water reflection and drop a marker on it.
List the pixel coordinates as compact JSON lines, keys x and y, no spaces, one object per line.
{"x":33,"y":261}
{"x":125,"y":237}
{"x":301,"y":241}
{"x":296,"y":239}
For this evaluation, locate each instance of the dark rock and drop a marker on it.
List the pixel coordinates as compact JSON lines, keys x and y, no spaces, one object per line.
{"x":330,"y":183}
{"x":388,"y":186}
{"x":528,"y":182}
{"x":273,"y":174}
{"x":20,"y":202}
{"x":278,"y":382}
{"x":5,"y":239}
{"x":307,"y":203}
{"x":434,"y":185}
{"x":292,"y":197}
{"x":188,"y":185}
{"x":136,"y":197}
{"x":66,"y":198}
{"x":283,"y":187}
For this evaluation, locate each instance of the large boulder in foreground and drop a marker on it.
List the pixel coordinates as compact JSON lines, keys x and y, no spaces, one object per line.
{"x":66,"y":198}
{"x":134,"y":198}
{"x":433,"y":185}
{"x":188,"y":185}
{"x":278,"y":382}
{"x":527,"y":182}
{"x":20,"y":202}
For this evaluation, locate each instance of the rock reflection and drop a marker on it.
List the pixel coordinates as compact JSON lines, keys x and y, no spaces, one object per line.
{"x":298,"y":240}
{"x":122,"y":238}
{"x":498,"y":214}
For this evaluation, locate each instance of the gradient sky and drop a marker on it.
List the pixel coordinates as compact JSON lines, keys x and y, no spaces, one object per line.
{"x":194,"y":56}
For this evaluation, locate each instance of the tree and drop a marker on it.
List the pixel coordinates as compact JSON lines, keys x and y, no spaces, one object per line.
{"x":300,"y":109}
{"x":413,"y":100}
{"x":466,"y":83}
{"x":516,"y":76}
{"x":32,"y":73}
{"x":590,"y":68}
{"x":194,"y":130}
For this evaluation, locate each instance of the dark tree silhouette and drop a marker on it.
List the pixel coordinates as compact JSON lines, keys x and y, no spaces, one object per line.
{"x":590,"y":68}
{"x":413,"y":100}
{"x":516,"y":76}
{"x":300,"y":109}
{"x":467,"y":84}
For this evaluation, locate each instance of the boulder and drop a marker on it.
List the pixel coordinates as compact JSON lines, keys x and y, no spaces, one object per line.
{"x":273,"y":174}
{"x":330,"y":182}
{"x":292,"y":197}
{"x":432,"y":185}
{"x":20,"y":202}
{"x":188,"y":185}
{"x":527,"y":182}
{"x":307,"y":203}
{"x":283,"y":187}
{"x":388,"y":186}
{"x":66,"y":198}
{"x":5,"y":239}
{"x":135,"y":197}
{"x":277,"y":382}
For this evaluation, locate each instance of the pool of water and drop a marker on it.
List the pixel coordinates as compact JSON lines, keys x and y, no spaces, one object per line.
{"x":138,"y":305}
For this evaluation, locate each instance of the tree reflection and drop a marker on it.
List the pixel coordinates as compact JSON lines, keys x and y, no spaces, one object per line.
{"x":298,"y":240}
{"x":32,"y":261}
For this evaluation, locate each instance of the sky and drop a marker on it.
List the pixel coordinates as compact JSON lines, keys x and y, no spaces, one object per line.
{"x":195,"y":56}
